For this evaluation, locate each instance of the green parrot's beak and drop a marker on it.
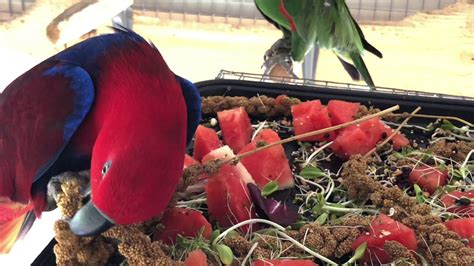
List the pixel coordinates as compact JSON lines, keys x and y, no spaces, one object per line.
{"x":89,"y":221}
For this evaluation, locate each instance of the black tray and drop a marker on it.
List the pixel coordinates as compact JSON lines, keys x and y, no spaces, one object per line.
{"x":434,"y":104}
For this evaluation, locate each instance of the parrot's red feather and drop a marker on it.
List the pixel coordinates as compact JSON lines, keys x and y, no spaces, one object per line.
{"x":12,"y":215}
{"x":32,"y":111}
{"x":142,"y":133}
{"x":287,"y":15}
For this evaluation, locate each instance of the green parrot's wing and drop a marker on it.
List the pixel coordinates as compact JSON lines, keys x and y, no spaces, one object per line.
{"x":305,"y":23}
{"x":362,"y":68}
{"x":367,"y":46}
{"x":270,"y":9}
{"x":350,"y":69}
{"x":299,"y":47}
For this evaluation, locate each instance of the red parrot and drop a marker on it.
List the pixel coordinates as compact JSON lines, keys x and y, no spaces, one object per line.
{"x":109,"y":104}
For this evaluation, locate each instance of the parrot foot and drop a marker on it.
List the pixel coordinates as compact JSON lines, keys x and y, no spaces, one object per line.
{"x":281,"y":46}
{"x":55,"y":186}
{"x":279,"y":65}
{"x":278,"y":61}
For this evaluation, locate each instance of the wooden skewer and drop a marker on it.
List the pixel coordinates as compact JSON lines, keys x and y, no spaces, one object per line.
{"x":412,"y":114}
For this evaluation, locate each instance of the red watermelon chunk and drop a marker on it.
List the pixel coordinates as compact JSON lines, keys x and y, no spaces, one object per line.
{"x":205,"y":141}
{"x":357,"y":139}
{"x":228,"y":198}
{"x":382,"y":229}
{"x":196,"y":258}
{"x":461,"y":203}
{"x":283,"y":262}
{"x":310,"y":116}
{"x":236,"y":128}
{"x":399,"y":140}
{"x":342,"y":112}
{"x":184,"y":222}
{"x":464,"y":228}
{"x":429,"y":178}
{"x":269,"y":164}
{"x":188,"y":161}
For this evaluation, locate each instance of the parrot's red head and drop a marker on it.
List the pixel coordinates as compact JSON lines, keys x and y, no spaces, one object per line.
{"x":137,"y":159}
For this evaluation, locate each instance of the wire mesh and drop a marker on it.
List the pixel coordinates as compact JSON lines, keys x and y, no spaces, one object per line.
{"x":12,"y":8}
{"x":364,"y":10}
{"x":231,"y":75}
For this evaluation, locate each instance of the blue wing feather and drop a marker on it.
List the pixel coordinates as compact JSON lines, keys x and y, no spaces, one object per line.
{"x":83,"y":88}
{"x":193,"y":106}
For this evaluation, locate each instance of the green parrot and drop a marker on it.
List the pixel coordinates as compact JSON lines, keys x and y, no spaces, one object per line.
{"x":326,"y":23}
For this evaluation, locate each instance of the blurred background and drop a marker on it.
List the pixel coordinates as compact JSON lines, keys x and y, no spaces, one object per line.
{"x":428,"y":45}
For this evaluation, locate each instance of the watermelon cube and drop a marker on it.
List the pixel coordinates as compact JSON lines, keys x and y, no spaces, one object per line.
{"x":236,"y":128}
{"x":429,"y":178}
{"x":228,"y":198}
{"x":357,"y":139}
{"x":310,"y":116}
{"x":464,"y":228}
{"x":342,"y":112}
{"x":382,"y":229}
{"x":270,"y":164}
{"x":399,"y":140}
{"x":196,"y":258}
{"x":459,"y":202}
{"x":184,"y":222}
{"x":205,"y":141}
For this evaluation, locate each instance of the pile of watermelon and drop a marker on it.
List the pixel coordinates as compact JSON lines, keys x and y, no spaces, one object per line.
{"x":228,"y":197}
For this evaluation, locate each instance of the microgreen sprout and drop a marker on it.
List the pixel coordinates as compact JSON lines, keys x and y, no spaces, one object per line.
{"x":358,"y":254}
{"x":269,"y":188}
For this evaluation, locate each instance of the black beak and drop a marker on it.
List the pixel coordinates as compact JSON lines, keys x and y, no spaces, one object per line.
{"x":89,"y":221}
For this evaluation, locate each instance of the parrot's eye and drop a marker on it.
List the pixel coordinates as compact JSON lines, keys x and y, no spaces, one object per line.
{"x":106,"y":167}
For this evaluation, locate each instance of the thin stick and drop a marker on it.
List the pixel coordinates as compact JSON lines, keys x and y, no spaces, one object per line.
{"x":310,"y":134}
{"x":394,"y":132}
{"x":441,"y":117}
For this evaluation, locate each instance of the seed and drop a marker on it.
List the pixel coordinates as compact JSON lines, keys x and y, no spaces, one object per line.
{"x":213,"y":122}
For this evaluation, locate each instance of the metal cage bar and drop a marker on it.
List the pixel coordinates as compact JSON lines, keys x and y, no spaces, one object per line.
{"x":231,"y":75}
{"x":366,"y":10}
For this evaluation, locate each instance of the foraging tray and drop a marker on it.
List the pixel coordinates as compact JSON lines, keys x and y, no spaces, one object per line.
{"x":249,"y":85}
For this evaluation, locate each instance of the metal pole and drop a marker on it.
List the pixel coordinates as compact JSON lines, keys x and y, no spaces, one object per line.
{"x":390,"y":10}
{"x":406,"y":8}
{"x":310,"y":62}
{"x":358,"y":9}
{"x":10,"y":7}
{"x":375,"y":9}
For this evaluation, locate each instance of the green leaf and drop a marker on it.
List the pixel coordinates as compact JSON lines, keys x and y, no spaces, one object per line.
{"x":359,"y":252}
{"x":447,"y":125}
{"x":322,"y":218}
{"x":442,"y":166}
{"x":269,"y":188}
{"x":419,"y":194}
{"x":214,"y":234}
{"x":318,"y":208}
{"x":312,"y":172}
{"x":225,"y":254}
{"x":298,"y":224}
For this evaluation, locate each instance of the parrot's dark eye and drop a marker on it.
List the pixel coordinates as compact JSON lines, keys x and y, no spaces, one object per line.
{"x":106,"y":167}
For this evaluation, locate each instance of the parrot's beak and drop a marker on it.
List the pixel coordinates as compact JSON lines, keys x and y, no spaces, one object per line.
{"x":89,"y":221}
